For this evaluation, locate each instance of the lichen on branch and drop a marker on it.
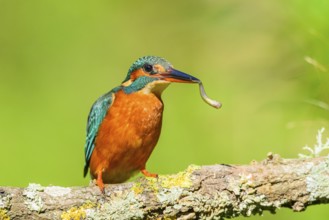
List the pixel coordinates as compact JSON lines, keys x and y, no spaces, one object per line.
{"x":207,"y":192}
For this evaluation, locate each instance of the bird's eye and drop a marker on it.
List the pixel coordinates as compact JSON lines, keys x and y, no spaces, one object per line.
{"x":148,"y":68}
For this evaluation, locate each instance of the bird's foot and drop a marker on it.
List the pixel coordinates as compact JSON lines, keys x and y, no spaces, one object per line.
{"x":99,"y":182}
{"x":148,"y":174}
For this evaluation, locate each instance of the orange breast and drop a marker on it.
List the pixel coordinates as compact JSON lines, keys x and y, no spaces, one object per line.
{"x":127,"y":136}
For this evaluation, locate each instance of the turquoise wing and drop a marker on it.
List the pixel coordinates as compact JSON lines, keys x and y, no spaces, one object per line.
{"x":97,"y":114}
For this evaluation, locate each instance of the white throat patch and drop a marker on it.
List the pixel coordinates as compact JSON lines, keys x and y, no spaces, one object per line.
{"x":155,"y":87}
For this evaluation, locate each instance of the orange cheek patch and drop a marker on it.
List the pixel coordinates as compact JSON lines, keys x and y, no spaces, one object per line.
{"x":159,"y":68}
{"x":137,"y":73}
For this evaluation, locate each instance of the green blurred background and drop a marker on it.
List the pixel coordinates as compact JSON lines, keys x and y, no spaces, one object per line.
{"x":266,"y":61}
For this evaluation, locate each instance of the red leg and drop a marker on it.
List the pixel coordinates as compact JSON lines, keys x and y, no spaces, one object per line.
{"x":99,"y":181}
{"x":148,"y":174}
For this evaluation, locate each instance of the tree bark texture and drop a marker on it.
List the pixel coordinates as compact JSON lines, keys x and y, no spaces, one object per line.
{"x":206,"y":192}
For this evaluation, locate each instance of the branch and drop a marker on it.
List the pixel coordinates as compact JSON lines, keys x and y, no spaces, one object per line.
{"x":221,"y":191}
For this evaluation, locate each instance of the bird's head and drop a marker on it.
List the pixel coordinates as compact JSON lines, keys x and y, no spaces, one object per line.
{"x":153,"y":74}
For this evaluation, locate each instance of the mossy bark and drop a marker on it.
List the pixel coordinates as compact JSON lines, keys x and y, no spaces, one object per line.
{"x":208,"y":192}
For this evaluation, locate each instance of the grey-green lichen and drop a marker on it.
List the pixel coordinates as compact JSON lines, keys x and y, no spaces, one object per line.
{"x":120,"y":205}
{"x":207,"y":206}
{"x":168,"y":189}
{"x":5,"y":201}
{"x":56,"y":191}
{"x":250,"y":204}
{"x":317,"y":182}
{"x":249,"y":200}
{"x":169,"y":195}
{"x":32,"y":197}
{"x":177,"y":199}
{"x":222,"y":204}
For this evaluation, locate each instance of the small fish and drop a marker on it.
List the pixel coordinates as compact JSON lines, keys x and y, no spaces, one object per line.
{"x":205,"y":98}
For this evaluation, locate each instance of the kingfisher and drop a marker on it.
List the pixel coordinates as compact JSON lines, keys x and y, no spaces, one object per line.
{"x":124,"y":124}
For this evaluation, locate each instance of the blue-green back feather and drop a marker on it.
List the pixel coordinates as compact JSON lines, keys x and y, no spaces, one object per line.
{"x":97,"y":114}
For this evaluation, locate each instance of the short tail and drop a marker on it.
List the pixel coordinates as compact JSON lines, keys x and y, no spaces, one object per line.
{"x":85,"y":170}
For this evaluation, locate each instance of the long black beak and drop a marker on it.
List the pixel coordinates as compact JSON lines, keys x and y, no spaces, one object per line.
{"x":173,"y":75}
